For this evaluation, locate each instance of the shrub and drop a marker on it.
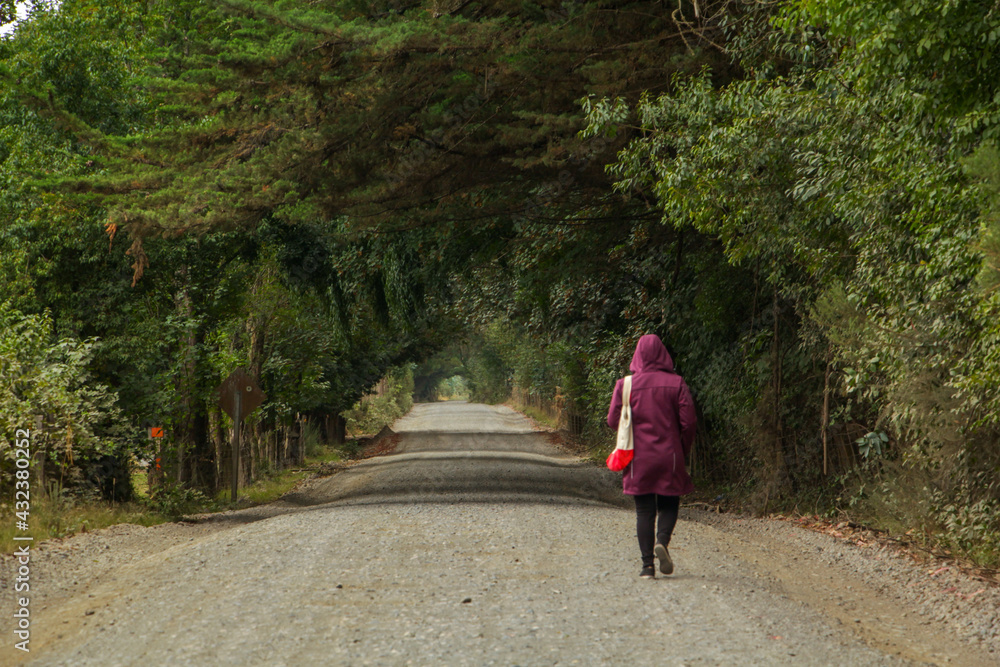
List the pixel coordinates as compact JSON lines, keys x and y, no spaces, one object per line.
{"x":41,"y":375}
{"x":392,"y":398}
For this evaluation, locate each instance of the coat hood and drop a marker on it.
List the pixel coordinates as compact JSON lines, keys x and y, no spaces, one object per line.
{"x":651,"y":355}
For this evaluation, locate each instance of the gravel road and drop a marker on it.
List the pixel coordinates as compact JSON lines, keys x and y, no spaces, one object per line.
{"x":479,"y":542}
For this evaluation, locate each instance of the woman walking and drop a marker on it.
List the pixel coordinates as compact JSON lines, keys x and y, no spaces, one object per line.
{"x":663,"y":426}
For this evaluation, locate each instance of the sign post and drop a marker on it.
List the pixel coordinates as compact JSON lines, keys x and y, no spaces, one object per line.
{"x":238,"y":395}
{"x":237,"y":417}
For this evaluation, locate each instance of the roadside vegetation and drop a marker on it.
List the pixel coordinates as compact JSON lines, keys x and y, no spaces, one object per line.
{"x":391,"y":398}
{"x":359,"y":203}
{"x":62,"y":512}
{"x":59,"y":513}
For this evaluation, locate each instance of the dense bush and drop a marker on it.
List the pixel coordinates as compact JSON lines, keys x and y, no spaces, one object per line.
{"x":48,"y":377}
{"x":392,"y":398}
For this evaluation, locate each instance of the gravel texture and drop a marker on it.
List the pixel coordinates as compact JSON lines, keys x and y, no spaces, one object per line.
{"x":466,"y":549}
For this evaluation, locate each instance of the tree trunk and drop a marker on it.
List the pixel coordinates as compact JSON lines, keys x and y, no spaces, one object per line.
{"x":826,"y":412}
{"x":777,"y":359}
{"x":285,"y":443}
{"x":201,"y":457}
{"x":184,"y":383}
{"x":301,"y":443}
{"x":256,"y":333}
{"x":195,"y":464}
{"x":218,"y":436}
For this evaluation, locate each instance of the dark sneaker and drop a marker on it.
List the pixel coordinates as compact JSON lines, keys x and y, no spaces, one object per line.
{"x":666,"y":565}
{"x":648,"y":572}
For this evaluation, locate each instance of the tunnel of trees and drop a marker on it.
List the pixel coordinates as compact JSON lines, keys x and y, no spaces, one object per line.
{"x":799,"y":197}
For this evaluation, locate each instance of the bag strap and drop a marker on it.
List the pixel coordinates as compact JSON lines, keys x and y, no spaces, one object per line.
{"x":627,"y":391}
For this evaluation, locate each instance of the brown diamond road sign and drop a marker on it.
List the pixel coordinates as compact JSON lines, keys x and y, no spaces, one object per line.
{"x":239,"y":382}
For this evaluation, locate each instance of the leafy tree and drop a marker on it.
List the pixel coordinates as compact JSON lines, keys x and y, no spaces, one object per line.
{"x":47,"y":378}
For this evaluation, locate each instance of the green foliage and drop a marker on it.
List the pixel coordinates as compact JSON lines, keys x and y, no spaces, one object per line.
{"x":84,"y":55}
{"x":392,"y":400}
{"x":316,"y":318}
{"x":42,"y":375}
{"x":174,"y":502}
{"x":453,"y":388}
{"x":945,"y":53}
{"x":8,"y":11}
{"x":984,"y":165}
{"x":871,"y":445}
{"x":443,"y":375}
{"x":399,"y":116}
{"x":312,"y":441}
{"x":840,"y":182}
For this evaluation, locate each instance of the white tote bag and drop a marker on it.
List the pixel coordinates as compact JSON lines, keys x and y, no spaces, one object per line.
{"x":622,"y":455}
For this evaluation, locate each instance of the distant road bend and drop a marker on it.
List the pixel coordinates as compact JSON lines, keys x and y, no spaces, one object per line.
{"x":477,"y":542}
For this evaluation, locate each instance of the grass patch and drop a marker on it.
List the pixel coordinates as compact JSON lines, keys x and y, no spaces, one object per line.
{"x":271,"y":487}
{"x":268,"y":489}
{"x":324,"y":455}
{"x":51,"y":518}
{"x":351,"y":449}
{"x":536,"y":414}
{"x":66,"y":516}
{"x":140,"y":483}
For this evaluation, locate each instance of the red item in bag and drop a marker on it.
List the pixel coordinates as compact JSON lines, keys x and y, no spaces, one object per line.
{"x":622,"y":455}
{"x":618,"y":459}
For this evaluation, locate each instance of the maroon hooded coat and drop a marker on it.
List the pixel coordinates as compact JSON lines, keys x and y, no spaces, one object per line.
{"x":663,"y":423}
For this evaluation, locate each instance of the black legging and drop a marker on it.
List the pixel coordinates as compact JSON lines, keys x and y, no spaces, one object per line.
{"x":647,"y":507}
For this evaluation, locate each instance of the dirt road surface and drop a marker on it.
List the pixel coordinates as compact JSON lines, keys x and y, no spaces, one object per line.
{"x":478,"y":542}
